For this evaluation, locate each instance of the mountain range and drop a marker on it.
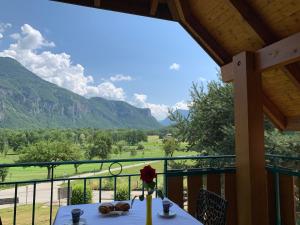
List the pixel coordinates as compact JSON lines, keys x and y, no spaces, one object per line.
{"x":29,"y":102}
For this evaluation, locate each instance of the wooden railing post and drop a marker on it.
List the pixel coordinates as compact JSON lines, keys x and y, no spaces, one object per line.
{"x":230,"y":196}
{"x":194,"y":183}
{"x":214,"y":183}
{"x":287,"y":200}
{"x":271,"y":198}
{"x":175,"y":189}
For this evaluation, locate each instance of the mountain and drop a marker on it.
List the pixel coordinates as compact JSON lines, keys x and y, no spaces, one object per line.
{"x":27,"y":101}
{"x":168,"y":122}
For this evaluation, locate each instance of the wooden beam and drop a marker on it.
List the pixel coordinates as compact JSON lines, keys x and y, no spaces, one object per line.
{"x":173,"y":9}
{"x":202,"y":36}
{"x":281,"y":53}
{"x":97,"y":3}
{"x":252,"y":200}
{"x":293,"y":72}
{"x":136,"y":7}
{"x":227,"y":73}
{"x":254,"y":20}
{"x":293,"y":123}
{"x":274,"y":114}
{"x":265,"y":33}
{"x":153,"y":7}
{"x":270,"y":109}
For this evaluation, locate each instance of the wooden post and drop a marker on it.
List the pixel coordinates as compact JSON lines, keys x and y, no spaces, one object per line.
{"x":214,"y":183}
{"x":271,"y":198}
{"x":287,"y":200}
{"x":230,"y":196}
{"x":194,"y":185}
{"x":175,"y":189}
{"x":252,"y":206}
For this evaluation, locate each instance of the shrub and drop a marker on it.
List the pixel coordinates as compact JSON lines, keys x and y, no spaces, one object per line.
{"x":140,"y":147}
{"x":78,"y":195}
{"x":122,"y":194}
{"x":133,"y":152}
{"x":108,"y":184}
{"x":3,"y":174}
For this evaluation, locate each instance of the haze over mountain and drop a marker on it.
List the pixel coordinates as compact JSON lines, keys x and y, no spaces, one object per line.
{"x":27,"y":101}
{"x":168,"y":122}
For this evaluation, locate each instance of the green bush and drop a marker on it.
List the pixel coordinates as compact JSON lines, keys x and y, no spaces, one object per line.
{"x":78,"y":195}
{"x":122,"y":194}
{"x":3,"y":174}
{"x":133,"y":152}
{"x":108,"y":184}
{"x":140,"y":147}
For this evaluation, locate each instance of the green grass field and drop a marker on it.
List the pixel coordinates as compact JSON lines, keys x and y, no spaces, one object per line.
{"x":153,"y":148}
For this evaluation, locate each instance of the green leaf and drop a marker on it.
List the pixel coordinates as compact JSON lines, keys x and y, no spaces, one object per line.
{"x":151,"y":185}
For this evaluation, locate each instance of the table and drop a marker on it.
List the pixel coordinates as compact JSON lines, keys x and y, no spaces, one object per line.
{"x":136,"y":215}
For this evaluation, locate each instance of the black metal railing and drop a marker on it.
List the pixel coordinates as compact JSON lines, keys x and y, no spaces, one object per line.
{"x":114,"y":169}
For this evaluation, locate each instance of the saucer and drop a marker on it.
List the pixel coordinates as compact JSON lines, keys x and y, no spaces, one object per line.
{"x":171,"y":214}
{"x":82,"y":221}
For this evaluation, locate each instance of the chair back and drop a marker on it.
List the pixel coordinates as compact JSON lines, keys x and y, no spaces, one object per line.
{"x":0,"y":221}
{"x":211,"y":208}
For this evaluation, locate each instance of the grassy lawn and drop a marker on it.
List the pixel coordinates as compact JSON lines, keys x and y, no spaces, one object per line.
{"x":24,"y":214}
{"x":153,"y":148}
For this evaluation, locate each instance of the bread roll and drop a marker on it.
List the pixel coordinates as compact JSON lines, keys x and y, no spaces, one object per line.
{"x":122,"y":206}
{"x":105,"y":208}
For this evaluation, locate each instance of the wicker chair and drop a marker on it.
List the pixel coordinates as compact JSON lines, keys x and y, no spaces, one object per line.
{"x":211,"y":208}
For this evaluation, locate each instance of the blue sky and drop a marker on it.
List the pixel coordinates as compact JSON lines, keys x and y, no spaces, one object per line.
{"x":146,"y":62}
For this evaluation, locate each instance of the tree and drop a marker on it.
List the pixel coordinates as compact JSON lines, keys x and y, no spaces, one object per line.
{"x":170,"y":145}
{"x":50,"y":152}
{"x":3,"y":173}
{"x":101,"y":148}
{"x":209,"y":128}
{"x":211,"y":114}
{"x":120,"y":146}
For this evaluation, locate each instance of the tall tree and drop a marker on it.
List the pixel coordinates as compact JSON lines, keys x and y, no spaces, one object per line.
{"x":209,"y":128}
{"x":50,"y":152}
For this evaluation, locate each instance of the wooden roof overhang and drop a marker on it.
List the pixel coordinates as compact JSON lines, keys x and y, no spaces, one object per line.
{"x":224,"y":28}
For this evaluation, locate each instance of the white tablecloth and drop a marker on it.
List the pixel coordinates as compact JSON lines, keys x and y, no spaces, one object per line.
{"x":136,"y":216}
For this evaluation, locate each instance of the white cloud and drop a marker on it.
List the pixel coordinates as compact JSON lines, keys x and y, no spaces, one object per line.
{"x":120,"y":77}
{"x":56,"y":67}
{"x":3,"y":28}
{"x":181,"y":105}
{"x":159,"y":111}
{"x":202,"y":79}
{"x":15,"y":36}
{"x":106,"y":90}
{"x":174,"y":66}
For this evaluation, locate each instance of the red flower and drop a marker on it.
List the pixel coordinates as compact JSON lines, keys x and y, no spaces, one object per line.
{"x":148,"y":174}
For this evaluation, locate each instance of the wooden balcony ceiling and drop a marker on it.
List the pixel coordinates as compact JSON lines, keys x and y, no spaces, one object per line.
{"x":225,"y":28}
